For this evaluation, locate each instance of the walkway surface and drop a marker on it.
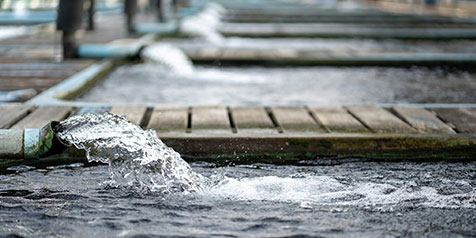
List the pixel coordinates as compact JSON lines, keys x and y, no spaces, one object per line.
{"x":33,"y":61}
{"x":284,"y":133}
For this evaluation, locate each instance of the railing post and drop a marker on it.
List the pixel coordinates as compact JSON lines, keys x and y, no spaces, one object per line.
{"x":69,"y":19}
{"x":175,"y":5}
{"x":130,"y":8}
{"x":91,"y":15}
{"x":160,"y":11}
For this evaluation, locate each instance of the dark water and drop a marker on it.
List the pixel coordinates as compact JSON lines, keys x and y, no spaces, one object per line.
{"x":368,"y":199}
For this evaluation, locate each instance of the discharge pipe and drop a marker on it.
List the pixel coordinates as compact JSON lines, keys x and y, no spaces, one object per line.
{"x":30,"y":143}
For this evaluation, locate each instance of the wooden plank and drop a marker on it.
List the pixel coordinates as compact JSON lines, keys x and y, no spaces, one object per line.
{"x":463,"y":119}
{"x":35,"y":73}
{"x":337,"y":119}
{"x":14,"y":83}
{"x":134,"y":114}
{"x":210,"y":119}
{"x":40,"y":66}
{"x":169,"y":119}
{"x":295,"y":119}
{"x":379,"y":120}
{"x":231,"y":53}
{"x":10,"y":114}
{"x":209,"y":53}
{"x":423,"y":120}
{"x":252,"y":120}
{"x":42,"y":116}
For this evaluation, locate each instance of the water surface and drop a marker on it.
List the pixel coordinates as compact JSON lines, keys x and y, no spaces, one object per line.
{"x":149,"y":83}
{"x":358,"y":199}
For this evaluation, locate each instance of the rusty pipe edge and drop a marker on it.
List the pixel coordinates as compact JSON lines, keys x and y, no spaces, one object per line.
{"x":29,"y":143}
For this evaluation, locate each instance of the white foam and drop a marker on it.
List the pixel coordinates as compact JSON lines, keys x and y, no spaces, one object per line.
{"x":168,"y":56}
{"x":309,"y":190}
{"x":204,"y":24}
{"x":7,"y":32}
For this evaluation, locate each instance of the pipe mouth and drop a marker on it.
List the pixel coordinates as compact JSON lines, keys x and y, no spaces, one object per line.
{"x":50,"y":143}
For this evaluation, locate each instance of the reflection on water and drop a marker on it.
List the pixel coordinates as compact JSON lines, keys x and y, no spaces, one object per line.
{"x":359,"y":199}
{"x":147,"y":83}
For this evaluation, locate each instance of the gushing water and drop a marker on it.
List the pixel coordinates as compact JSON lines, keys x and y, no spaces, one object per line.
{"x":138,"y":159}
{"x":7,"y":32}
{"x":168,"y":56}
{"x":205,"y":23}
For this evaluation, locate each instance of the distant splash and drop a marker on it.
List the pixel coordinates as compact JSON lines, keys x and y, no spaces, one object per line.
{"x":205,"y":23}
{"x":168,"y":56}
{"x":137,"y":159}
{"x":7,"y":32}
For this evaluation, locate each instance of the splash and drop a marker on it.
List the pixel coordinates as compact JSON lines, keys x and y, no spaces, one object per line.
{"x":20,"y":8}
{"x":168,"y":56}
{"x":7,"y":32}
{"x":205,"y":23}
{"x":138,"y":159}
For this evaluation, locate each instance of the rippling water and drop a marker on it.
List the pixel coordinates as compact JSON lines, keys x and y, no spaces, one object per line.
{"x":359,"y":199}
{"x":284,"y":85}
{"x":147,"y":190}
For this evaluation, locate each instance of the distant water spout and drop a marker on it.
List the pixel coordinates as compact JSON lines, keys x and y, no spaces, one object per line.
{"x":205,"y":23}
{"x":169,"y":57}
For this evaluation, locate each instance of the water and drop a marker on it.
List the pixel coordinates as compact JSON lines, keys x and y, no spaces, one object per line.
{"x":7,"y":32}
{"x":169,"y":77}
{"x":138,"y":159}
{"x":168,"y":58}
{"x":147,"y":190}
{"x":284,"y":85}
{"x":204,"y":24}
{"x":359,"y":199}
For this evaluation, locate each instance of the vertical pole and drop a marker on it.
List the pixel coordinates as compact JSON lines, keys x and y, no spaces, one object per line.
{"x":160,"y":11}
{"x":175,"y":5}
{"x":152,"y":6}
{"x":69,"y":19}
{"x":70,"y":47}
{"x":91,"y":15}
{"x":130,"y":9}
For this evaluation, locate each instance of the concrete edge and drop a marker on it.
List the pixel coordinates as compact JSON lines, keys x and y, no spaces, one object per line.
{"x":73,"y":85}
